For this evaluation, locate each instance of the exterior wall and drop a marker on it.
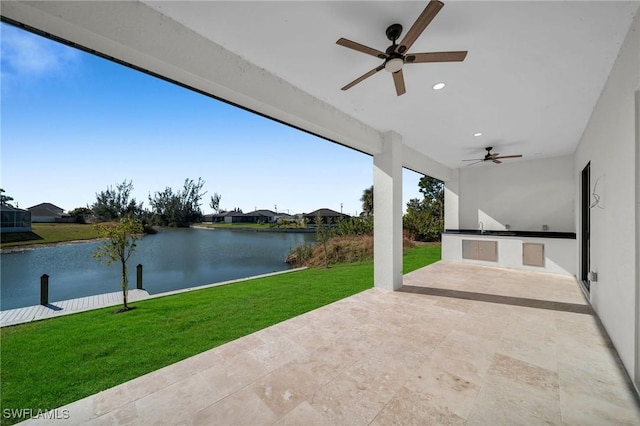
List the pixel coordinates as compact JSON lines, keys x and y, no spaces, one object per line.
{"x":610,"y":144}
{"x":524,"y":195}
{"x":43,"y":219}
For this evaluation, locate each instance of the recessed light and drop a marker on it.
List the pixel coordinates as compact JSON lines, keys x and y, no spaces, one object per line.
{"x":477,"y":134}
{"x":438,"y":86}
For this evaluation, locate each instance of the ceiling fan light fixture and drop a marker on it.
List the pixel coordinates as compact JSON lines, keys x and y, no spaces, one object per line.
{"x":439,"y":86}
{"x":394,"y":64}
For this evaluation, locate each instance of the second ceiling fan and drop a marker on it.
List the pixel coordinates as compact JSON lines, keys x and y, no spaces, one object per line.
{"x":397,"y":55}
{"x":492,"y":156}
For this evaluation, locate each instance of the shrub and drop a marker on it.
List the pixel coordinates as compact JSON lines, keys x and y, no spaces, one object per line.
{"x":300,"y":254}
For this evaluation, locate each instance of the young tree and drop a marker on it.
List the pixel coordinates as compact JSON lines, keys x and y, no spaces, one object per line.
{"x":323,"y":233}
{"x":215,"y":202}
{"x":367,"y":201}
{"x":119,"y":245}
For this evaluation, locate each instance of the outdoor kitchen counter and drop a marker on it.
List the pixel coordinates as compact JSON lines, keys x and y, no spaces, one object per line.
{"x":510,"y":233}
{"x":559,"y":248}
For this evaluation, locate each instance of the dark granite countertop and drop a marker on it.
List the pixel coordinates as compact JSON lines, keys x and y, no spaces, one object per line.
{"x":511,"y":233}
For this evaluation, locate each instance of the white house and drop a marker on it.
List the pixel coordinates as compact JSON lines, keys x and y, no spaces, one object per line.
{"x":557,"y":82}
{"x":46,"y":213}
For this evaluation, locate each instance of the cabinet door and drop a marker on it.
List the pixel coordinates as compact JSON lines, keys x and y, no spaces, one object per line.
{"x":533,"y":254}
{"x":488,"y":250}
{"x":469,"y":249}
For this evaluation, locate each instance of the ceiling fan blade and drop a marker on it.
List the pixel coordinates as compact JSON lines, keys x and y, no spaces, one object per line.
{"x":362,"y":77}
{"x":510,"y":156}
{"x":475,"y":159}
{"x":416,"y":58}
{"x":497,"y":161}
{"x":398,"y":80}
{"x":361,"y":48}
{"x":418,"y":27}
{"x":471,"y":164}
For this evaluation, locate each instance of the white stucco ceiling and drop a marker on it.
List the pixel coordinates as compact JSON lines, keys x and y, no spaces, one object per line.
{"x":529,"y":83}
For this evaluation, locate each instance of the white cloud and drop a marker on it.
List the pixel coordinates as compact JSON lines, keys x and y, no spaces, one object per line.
{"x":28,"y":55}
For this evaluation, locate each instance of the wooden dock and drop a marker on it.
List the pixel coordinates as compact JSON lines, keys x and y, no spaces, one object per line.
{"x":66,"y":307}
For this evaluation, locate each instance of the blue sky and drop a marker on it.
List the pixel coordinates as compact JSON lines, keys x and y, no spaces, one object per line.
{"x":73,"y":124}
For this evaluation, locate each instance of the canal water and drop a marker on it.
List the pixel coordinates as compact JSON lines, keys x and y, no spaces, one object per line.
{"x":172,"y":259}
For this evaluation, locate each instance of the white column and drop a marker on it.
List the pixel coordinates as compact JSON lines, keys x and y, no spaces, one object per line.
{"x":452,"y":201}
{"x":637,"y":256}
{"x":387,"y":210}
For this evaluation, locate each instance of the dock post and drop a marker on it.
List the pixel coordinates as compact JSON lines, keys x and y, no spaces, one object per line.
{"x":139,"y":277}
{"x":44,"y":290}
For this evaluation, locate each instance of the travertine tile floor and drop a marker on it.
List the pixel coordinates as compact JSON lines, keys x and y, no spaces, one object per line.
{"x":460,"y":344}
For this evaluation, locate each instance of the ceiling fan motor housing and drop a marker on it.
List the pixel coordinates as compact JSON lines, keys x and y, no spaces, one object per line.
{"x":393,"y":32}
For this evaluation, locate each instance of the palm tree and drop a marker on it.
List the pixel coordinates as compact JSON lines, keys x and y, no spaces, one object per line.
{"x":367,"y":201}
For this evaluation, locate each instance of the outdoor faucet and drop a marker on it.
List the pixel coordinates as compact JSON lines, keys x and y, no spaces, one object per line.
{"x":481,"y":225}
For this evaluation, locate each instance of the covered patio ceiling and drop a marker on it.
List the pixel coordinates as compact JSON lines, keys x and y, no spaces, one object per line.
{"x":532,"y":76}
{"x":529,"y":83}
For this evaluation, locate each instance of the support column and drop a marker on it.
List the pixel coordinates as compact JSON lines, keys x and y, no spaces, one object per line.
{"x":387,"y":209}
{"x":637,"y":256}
{"x":452,"y":201}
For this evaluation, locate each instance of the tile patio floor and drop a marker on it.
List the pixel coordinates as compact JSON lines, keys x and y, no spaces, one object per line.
{"x":460,"y":344}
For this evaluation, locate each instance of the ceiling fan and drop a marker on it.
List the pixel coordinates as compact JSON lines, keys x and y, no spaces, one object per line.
{"x":397,"y":55}
{"x":495,"y":157}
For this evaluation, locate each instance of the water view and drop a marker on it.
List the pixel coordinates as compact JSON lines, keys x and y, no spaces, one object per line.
{"x":172,"y":259}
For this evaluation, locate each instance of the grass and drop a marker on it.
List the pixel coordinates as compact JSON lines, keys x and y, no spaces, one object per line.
{"x":50,"y":363}
{"x":49,"y":233}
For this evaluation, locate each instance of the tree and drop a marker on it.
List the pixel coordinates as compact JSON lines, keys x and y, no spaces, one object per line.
{"x":113,"y":204}
{"x":431,"y":188}
{"x":424,"y":219}
{"x":180,"y":208}
{"x":81,"y":214}
{"x":4,"y":199}
{"x":323,"y":233}
{"x":119,"y":245}
{"x":433,"y":191}
{"x":367,"y":201}
{"x":215,"y":202}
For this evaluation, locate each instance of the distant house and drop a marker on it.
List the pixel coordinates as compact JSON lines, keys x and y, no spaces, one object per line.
{"x":260,"y":216}
{"x":257,"y":216}
{"x":48,"y":213}
{"x":223,"y":217}
{"x":327,"y":215}
{"x":264,"y":216}
{"x":14,"y":219}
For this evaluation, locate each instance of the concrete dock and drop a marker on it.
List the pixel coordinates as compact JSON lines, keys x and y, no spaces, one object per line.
{"x":73,"y":306}
{"x":66,"y":307}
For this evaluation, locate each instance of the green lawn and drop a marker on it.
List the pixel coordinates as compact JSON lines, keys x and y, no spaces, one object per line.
{"x":50,"y":363}
{"x":52,"y":233}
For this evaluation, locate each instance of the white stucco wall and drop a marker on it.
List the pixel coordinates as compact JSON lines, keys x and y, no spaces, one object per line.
{"x":610,"y":143}
{"x":524,"y":195}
